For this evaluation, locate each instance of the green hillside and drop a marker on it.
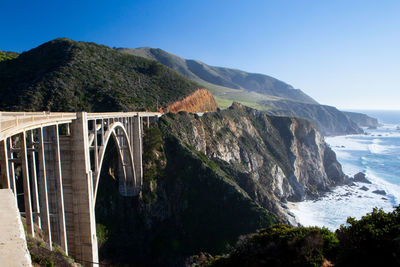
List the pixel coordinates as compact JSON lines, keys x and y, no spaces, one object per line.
{"x":7,"y":55}
{"x":66,"y":75}
{"x":226,"y":84}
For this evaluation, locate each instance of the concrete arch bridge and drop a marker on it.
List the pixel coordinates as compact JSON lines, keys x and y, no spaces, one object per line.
{"x":59,"y":157}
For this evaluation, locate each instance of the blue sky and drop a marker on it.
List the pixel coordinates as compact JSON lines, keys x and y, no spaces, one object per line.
{"x":344,"y":53}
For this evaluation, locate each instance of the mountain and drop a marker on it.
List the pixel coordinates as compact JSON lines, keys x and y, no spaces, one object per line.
{"x":225,"y":83}
{"x":362,"y":120}
{"x":66,"y":75}
{"x":329,"y":120}
{"x":210,"y":179}
{"x":254,"y":90}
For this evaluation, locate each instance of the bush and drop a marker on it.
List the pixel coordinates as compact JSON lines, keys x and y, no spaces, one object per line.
{"x":374,"y":240}
{"x":283,"y":245}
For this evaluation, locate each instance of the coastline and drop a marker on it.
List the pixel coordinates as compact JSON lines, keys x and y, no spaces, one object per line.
{"x":368,"y":153}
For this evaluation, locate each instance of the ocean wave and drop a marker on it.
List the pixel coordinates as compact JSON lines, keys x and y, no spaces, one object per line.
{"x":346,"y":201}
{"x":382,"y":184}
{"x":381,"y":149}
{"x":377,"y":155}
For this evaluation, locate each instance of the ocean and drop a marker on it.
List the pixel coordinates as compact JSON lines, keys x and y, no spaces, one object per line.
{"x":377,"y":154}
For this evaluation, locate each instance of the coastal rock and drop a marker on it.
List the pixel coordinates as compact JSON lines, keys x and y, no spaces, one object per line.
{"x":271,"y":158}
{"x":379,"y":192}
{"x":360,"y":177}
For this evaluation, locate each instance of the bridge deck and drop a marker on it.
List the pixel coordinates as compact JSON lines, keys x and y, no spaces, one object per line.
{"x":13,"y":250}
{"x":12,"y":123}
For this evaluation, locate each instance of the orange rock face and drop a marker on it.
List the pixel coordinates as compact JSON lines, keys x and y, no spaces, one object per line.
{"x":200,"y":101}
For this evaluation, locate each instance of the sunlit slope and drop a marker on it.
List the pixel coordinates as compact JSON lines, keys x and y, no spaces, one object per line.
{"x":226,"y":84}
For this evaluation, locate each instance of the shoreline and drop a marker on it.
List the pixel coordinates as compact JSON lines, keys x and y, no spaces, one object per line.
{"x":357,"y":153}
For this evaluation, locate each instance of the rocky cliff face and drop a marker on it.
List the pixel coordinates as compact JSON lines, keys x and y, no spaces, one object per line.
{"x":285,"y":158}
{"x":209,"y":179}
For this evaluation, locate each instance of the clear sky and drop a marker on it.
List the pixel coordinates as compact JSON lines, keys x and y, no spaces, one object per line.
{"x":344,"y":53}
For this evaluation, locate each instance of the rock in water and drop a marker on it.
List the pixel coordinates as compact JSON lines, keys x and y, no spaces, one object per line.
{"x":379,"y":192}
{"x":360,"y":177}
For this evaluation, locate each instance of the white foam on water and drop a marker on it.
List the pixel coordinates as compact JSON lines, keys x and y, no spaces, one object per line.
{"x":343,"y":154}
{"x":346,"y":201}
{"x":347,"y":143}
{"x":351,"y":169}
{"x":376,"y":148}
{"x":392,"y":190}
{"x":355,"y":153}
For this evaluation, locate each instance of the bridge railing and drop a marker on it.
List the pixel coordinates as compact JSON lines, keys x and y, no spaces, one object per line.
{"x":14,"y":122}
{"x":99,"y":115}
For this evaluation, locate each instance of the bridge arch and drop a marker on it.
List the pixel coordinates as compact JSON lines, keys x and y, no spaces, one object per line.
{"x":61,"y":174}
{"x":117,"y":131}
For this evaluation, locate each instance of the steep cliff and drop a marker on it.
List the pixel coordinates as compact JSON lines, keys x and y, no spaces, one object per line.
{"x":209,"y":179}
{"x":287,"y":155}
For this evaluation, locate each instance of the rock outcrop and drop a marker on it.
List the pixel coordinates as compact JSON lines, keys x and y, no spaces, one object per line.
{"x":287,"y":155}
{"x":360,"y":177}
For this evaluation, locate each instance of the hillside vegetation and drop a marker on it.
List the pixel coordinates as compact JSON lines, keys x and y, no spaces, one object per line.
{"x":225,"y":83}
{"x":7,"y":55}
{"x":371,"y":241}
{"x":65,"y":75}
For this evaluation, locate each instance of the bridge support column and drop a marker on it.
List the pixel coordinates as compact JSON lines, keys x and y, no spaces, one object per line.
{"x":85,"y":239}
{"x":4,"y":178}
{"x":52,"y":167}
{"x":137,"y":151}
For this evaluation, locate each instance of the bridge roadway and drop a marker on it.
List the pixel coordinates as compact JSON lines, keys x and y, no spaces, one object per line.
{"x":54,"y":161}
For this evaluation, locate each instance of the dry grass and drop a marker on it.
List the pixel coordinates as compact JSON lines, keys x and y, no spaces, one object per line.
{"x":199,"y":101}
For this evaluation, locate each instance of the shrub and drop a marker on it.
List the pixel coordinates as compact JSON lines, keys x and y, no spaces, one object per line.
{"x":374,"y":240}
{"x":283,"y":245}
